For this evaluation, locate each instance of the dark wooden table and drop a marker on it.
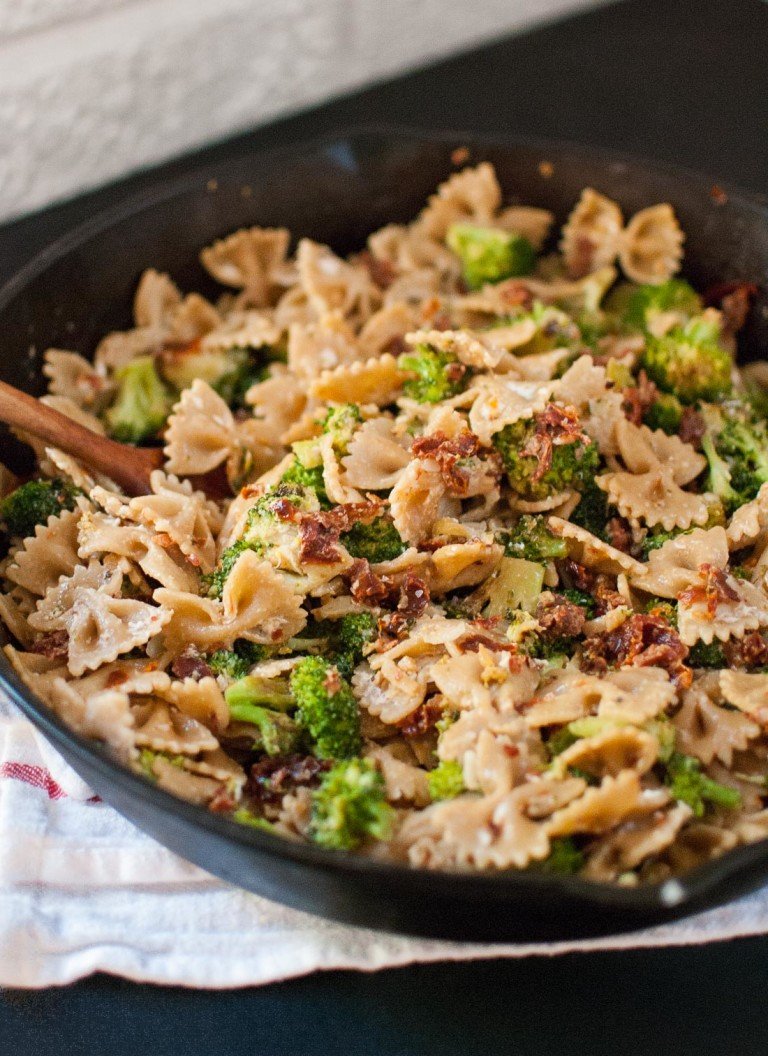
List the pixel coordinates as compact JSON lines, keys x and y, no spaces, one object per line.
{"x":681,"y":80}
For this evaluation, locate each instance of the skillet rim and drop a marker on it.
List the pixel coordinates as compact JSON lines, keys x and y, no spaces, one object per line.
{"x":741,"y":868}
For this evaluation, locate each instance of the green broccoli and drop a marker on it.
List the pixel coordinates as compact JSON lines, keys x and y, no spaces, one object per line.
{"x":236,"y":662}
{"x":351,"y":634}
{"x":436,"y":375}
{"x":580,"y":597}
{"x":689,"y":362}
{"x":665,"y":610}
{"x":665,"y":413}
{"x":531,"y":540}
{"x":564,"y":857}
{"x":702,"y":654}
{"x":213,"y":582}
{"x":646,"y":303}
{"x":350,"y":806}
{"x":377,"y":541}
{"x":148,"y":757}
{"x":488,"y":254}
{"x":593,"y":511}
{"x":306,"y":477}
{"x":687,"y":784}
{"x":736,"y":449}
{"x":446,"y":781}
{"x":264,"y":526}
{"x":243,"y":816}
{"x":34,"y":502}
{"x":142,"y":403}
{"x":230,"y":371}
{"x":327,"y":708}
{"x":263,"y":703}
{"x":656,"y":537}
{"x":573,"y":464}
{"x":341,"y":422}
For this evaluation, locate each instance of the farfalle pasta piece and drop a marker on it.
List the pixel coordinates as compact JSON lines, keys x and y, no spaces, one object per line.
{"x":500,"y":401}
{"x":608,"y":753}
{"x":592,"y":234}
{"x":525,"y":220}
{"x":252,"y":259}
{"x":163,"y":728}
{"x":277,"y":402}
{"x":485,"y":679}
{"x":200,"y":433}
{"x":747,"y":692}
{"x":200,"y":699}
{"x":674,"y":567}
{"x":258,"y":603}
{"x":462,"y":564}
{"x":377,"y":381}
{"x":592,"y":552}
{"x":397,"y":687}
{"x":177,"y":511}
{"x":155,"y":299}
{"x":99,"y":625}
{"x":651,"y":246}
{"x":246,"y":329}
{"x":43,"y":558}
{"x":405,"y":782}
{"x":631,"y":844}
{"x":749,"y":522}
{"x":418,"y":499}
{"x":105,"y":716}
{"x":100,"y":534}
{"x":333,"y":285}
{"x":744,"y":608}
{"x":707,"y":731}
{"x":376,"y":456}
{"x":613,"y":801}
{"x":321,"y":345}
{"x":655,"y":499}
{"x":119,"y":348}
{"x":74,"y":378}
{"x":386,"y":329}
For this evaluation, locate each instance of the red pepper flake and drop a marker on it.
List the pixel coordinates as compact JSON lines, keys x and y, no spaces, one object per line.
{"x":717,"y":194}
{"x":422,"y":720}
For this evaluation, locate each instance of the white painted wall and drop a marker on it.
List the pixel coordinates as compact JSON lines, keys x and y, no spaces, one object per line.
{"x":92,"y":89}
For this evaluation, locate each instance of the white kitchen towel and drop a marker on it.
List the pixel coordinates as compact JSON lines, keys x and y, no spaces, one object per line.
{"x":82,"y":890}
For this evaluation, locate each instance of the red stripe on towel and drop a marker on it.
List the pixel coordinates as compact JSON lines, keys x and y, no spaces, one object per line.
{"x":37,"y":776}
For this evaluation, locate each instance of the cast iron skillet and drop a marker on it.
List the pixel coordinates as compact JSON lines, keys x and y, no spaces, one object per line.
{"x":336,"y":190}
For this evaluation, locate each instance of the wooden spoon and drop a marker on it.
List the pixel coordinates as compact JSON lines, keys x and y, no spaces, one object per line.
{"x":128,"y":466}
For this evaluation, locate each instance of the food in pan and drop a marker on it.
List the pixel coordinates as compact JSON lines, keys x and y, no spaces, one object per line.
{"x":489,"y":589}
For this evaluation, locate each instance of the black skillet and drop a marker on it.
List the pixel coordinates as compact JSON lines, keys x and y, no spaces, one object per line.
{"x":336,"y":190}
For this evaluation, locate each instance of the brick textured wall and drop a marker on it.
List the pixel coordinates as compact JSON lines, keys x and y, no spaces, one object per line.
{"x":91,"y":89}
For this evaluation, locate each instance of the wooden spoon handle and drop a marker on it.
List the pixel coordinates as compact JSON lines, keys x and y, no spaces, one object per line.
{"x":129,"y":467}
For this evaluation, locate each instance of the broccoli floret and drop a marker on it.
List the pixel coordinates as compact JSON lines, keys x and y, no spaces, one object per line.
{"x":646,"y":303}
{"x":142,"y":404}
{"x":377,"y":541}
{"x":564,"y":857}
{"x":243,"y":816}
{"x":34,"y":502}
{"x":687,"y":784}
{"x":580,"y":597}
{"x":490,"y":255}
{"x":350,"y":806}
{"x":666,"y":610}
{"x":656,"y":537}
{"x":531,"y":540}
{"x":230,"y":371}
{"x":236,"y":662}
{"x":265,"y":526}
{"x":263,"y":703}
{"x":327,"y":708}
{"x":593,"y":511}
{"x":306,"y":477}
{"x":689,"y":363}
{"x":664,"y":413}
{"x":736,"y":448}
{"x":446,"y":781}
{"x":573,"y":464}
{"x":351,"y":634}
{"x":213,"y":582}
{"x":147,"y":759}
{"x":702,"y":654}
{"x":436,"y":375}
{"x":341,"y":422}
